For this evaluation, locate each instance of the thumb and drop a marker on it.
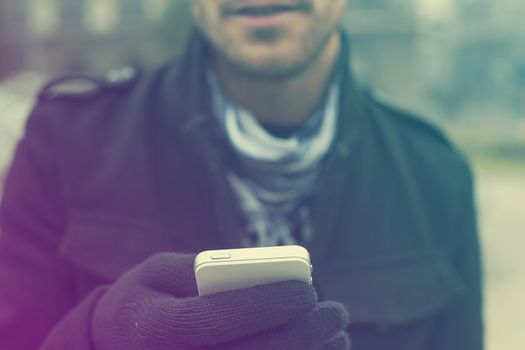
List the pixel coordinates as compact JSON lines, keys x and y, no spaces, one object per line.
{"x":170,"y":273}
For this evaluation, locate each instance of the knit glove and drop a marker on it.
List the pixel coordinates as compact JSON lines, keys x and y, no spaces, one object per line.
{"x":155,"y":306}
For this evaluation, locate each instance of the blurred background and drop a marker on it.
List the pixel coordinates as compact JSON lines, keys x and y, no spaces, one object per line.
{"x":459,"y":63}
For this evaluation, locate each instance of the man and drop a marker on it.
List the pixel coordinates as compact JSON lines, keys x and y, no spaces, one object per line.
{"x":258,"y":137}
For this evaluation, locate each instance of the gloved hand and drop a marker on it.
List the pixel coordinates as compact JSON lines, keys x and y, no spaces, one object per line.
{"x":155,"y":306}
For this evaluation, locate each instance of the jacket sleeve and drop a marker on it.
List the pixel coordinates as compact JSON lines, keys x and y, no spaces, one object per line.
{"x":74,"y":330}
{"x":460,"y":324}
{"x":35,"y":288}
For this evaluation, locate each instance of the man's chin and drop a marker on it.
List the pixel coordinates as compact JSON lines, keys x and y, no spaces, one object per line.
{"x":269,"y":63}
{"x":273,"y":71}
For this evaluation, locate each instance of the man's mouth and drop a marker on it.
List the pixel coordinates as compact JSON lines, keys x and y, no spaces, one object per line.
{"x":265,"y":10}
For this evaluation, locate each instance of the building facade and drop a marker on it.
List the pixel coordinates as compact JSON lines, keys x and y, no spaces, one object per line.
{"x":54,"y":36}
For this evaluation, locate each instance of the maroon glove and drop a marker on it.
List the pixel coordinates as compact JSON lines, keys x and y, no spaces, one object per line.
{"x":155,"y":306}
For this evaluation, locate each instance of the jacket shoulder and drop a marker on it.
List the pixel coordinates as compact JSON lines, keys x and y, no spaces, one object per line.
{"x":73,"y":108}
{"x":79,"y":104}
{"x":81,"y":87}
{"x":409,"y":121}
{"x":428,"y":147}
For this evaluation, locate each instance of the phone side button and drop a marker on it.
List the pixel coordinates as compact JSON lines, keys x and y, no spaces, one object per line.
{"x":225,"y":256}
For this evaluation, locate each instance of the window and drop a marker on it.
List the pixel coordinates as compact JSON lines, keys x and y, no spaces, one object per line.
{"x":44,"y":17}
{"x":154,"y":9}
{"x":101,"y":16}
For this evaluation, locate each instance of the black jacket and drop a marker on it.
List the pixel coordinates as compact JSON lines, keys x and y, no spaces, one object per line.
{"x":109,"y":176}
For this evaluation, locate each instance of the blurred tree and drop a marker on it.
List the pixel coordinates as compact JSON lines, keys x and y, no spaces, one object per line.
{"x":12,"y":29}
{"x":4,"y":51}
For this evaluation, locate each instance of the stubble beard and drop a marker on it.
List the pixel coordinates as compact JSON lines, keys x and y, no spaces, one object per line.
{"x":276,"y":69}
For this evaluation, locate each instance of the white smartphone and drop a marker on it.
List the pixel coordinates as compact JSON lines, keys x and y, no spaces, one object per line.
{"x":229,"y":269}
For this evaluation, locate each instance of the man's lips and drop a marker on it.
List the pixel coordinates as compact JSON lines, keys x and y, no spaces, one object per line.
{"x":261,"y":10}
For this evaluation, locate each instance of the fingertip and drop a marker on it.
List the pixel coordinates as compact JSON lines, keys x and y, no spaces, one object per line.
{"x":341,"y":341}
{"x":333,"y":313}
{"x":342,"y":310}
{"x":170,"y":272}
{"x":300,"y":292}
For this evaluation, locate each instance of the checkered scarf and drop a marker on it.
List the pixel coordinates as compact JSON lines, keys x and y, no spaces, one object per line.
{"x":274,"y":177}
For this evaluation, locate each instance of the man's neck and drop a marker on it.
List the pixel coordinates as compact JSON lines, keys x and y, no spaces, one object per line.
{"x":293,"y":100}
